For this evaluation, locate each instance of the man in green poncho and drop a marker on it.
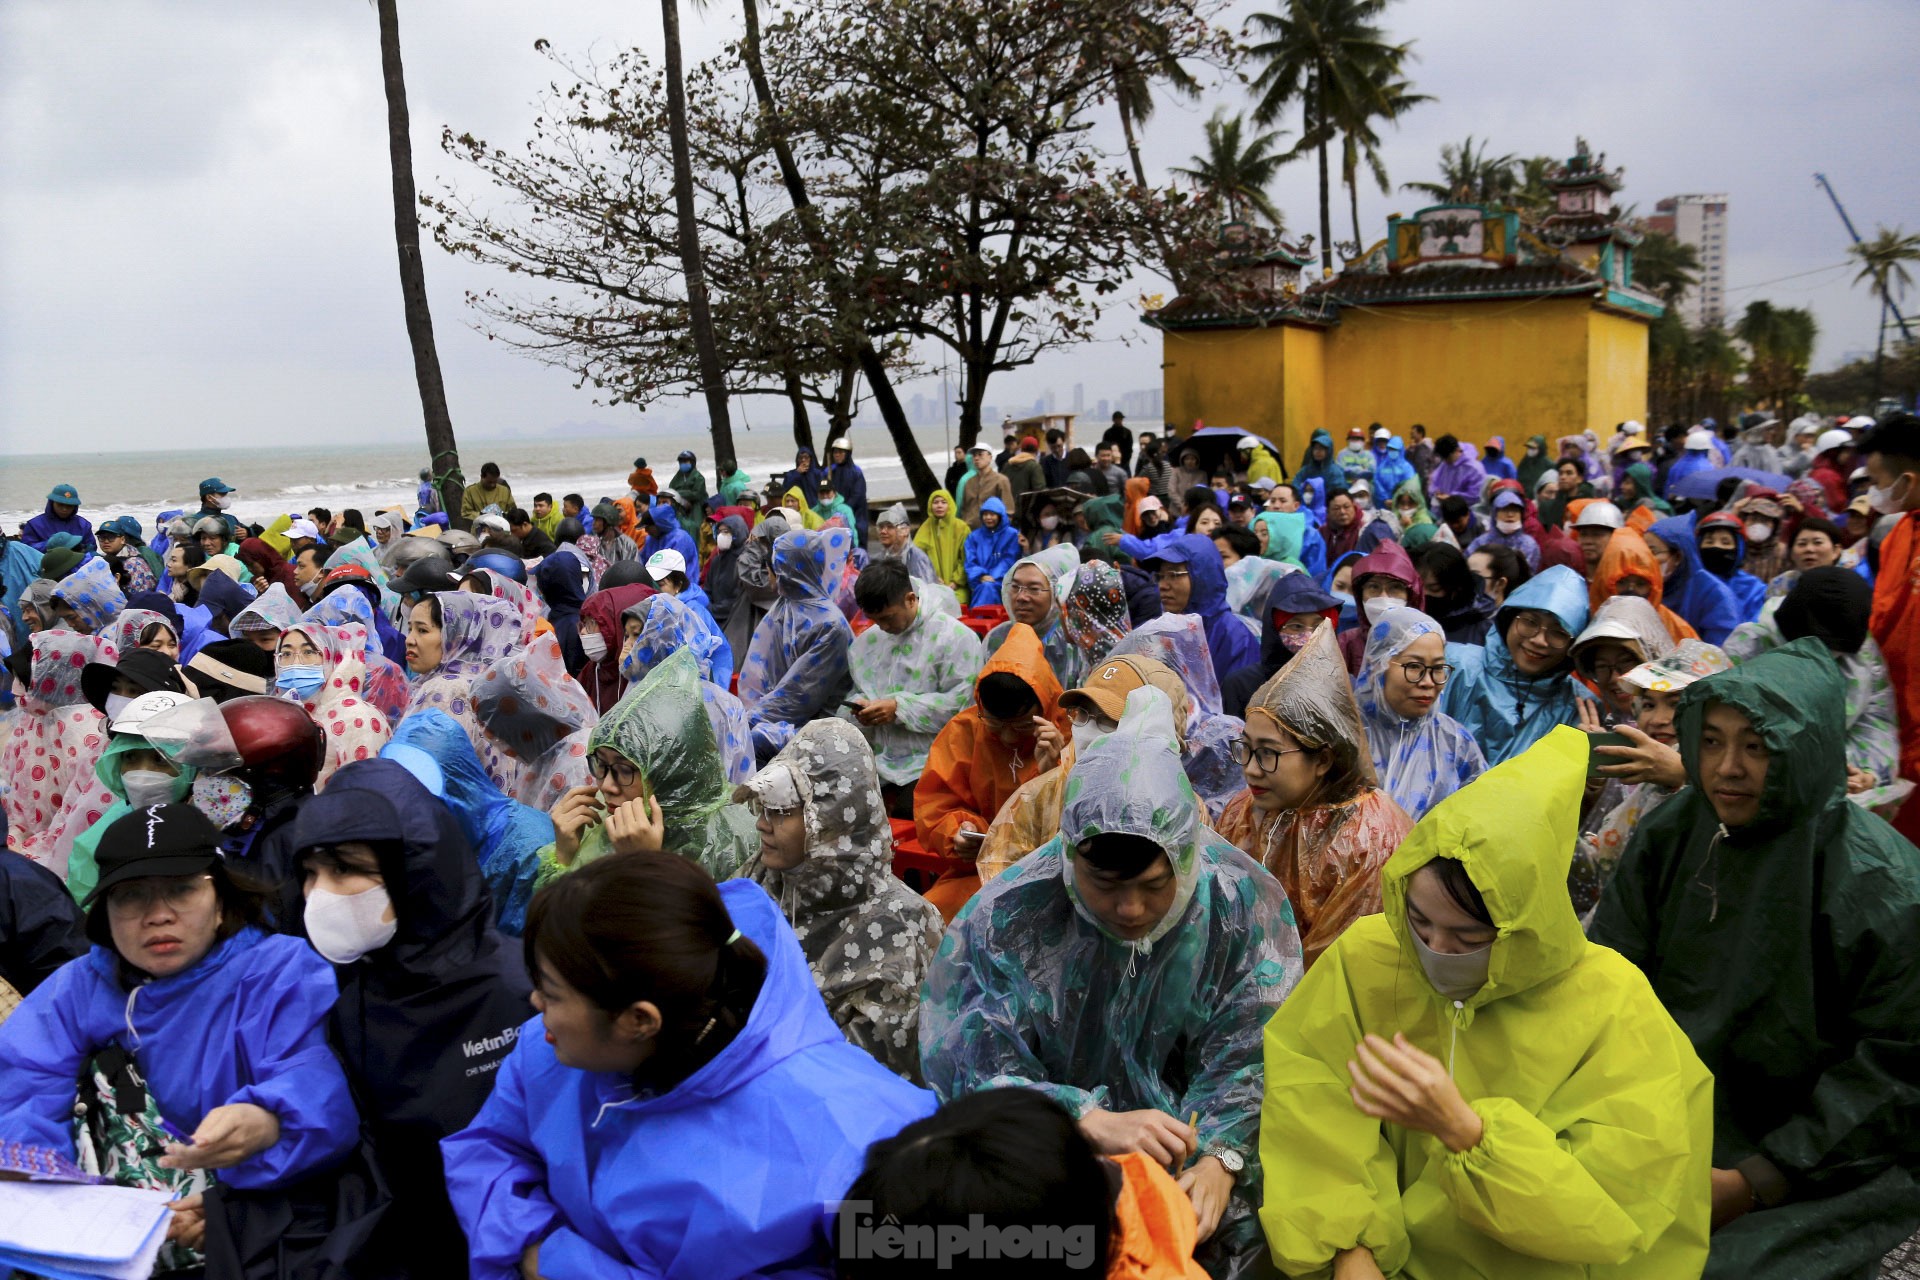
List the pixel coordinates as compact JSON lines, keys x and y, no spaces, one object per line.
{"x":1126,"y":968}
{"x":1779,"y":924}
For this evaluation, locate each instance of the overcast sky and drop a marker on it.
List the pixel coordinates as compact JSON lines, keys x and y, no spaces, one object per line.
{"x":195,"y":220}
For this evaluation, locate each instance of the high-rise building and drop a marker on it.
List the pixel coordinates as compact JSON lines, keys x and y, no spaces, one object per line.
{"x":1699,"y":221}
{"x":1079,"y":397}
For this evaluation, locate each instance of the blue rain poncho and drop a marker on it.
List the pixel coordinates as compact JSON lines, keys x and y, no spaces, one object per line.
{"x":796,"y":669}
{"x":732,"y":1173}
{"x":1707,"y":603}
{"x":667,"y":626}
{"x":867,"y":937}
{"x":92,"y":594}
{"x":19,"y":566}
{"x":928,"y":671}
{"x":1230,"y":642}
{"x":1180,"y":641}
{"x":1030,"y":989}
{"x":247,"y":1023}
{"x":506,"y":836}
{"x":1059,"y":563}
{"x":989,"y":555}
{"x":1504,"y":709}
{"x":1421,"y":761}
{"x":672,"y":538}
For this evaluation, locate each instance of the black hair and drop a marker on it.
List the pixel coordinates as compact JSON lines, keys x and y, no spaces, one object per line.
{"x":353,"y":519}
{"x":489,"y":469}
{"x":1005,"y":696}
{"x":244,"y":900}
{"x":1819,"y":524}
{"x":148,"y":632}
{"x":1244,"y":543}
{"x":518,"y":515}
{"x":432,"y":601}
{"x":1507,"y":564}
{"x":481,"y":576}
{"x":543,"y":497}
{"x":1054,"y":434}
{"x":1446,"y":444}
{"x":1450,"y":572}
{"x":326,"y":857}
{"x":1896,"y":436}
{"x":1460,"y":887}
{"x":650,"y":926}
{"x":1289,"y":486}
{"x":576,"y":500}
{"x":881,"y":585}
{"x":1452,"y":507}
{"x":1675,"y":432}
{"x":1119,"y":854}
{"x":1338,"y":491}
{"x":321,"y":516}
{"x":1005,"y":1158}
{"x":314,"y":551}
{"x":1421,"y":427}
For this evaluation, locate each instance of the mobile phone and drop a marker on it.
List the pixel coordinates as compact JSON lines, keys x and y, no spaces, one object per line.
{"x":1596,"y":761}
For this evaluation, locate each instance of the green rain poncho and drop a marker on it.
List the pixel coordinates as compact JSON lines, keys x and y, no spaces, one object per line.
{"x":928,"y":671}
{"x":661,"y":725}
{"x":1786,"y":951}
{"x":1029,"y":989}
{"x":1597,"y":1113}
{"x":82,"y":871}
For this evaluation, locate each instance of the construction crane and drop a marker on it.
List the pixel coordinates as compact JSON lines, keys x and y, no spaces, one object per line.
{"x":1841,"y":209}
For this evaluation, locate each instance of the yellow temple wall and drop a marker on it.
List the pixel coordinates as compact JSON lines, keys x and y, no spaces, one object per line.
{"x":1513,"y":368}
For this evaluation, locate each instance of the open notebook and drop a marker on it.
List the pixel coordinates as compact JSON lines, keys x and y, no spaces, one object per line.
{"x":60,"y":1222}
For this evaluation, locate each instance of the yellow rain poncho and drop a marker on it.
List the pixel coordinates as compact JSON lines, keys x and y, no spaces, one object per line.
{"x":1598,"y":1116}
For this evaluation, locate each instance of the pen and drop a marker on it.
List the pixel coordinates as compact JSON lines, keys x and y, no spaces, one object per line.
{"x":186,"y":1139}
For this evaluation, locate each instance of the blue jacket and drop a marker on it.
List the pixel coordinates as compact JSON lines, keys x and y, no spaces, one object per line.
{"x":675,"y":539}
{"x":1391,"y":470}
{"x":36,"y":532}
{"x":1228,"y":640}
{"x":722,"y":658}
{"x":990,"y":554}
{"x":1693,"y":593}
{"x":731,"y":1173}
{"x":1686,"y":464}
{"x":246,"y":1024}
{"x":505,"y":836}
{"x":1505,"y":710}
{"x":19,"y":565}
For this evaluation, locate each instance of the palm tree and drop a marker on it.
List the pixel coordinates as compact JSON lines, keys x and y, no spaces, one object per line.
{"x":1781,"y":341}
{"x":445,"y":455}
{"x":1470,"y":176}
{"x":1331,"y":57}
{"x":1665,"y":267}
{"x":699,"y":311}
{"x":1238,"y":173}
{"x":1360,"y":144}
{"x":1883,"y":265}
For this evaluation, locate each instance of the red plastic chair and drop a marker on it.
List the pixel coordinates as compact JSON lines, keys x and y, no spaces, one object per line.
{"x":911,"y":862}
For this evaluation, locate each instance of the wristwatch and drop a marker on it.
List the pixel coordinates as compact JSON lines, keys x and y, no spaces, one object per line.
{"x":1230,"y":1160}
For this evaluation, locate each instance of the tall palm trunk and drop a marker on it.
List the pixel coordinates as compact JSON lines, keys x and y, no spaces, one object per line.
{"x":1353,"y":196}
{"x":413,"y":275}
{"x":872,"y":367}
{"x":1316,"y":112}
{"x":1140,"y":177}
{"x":699,"y":312}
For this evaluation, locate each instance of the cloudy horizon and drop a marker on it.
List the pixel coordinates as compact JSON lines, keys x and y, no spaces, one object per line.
{"x":196,"y":224}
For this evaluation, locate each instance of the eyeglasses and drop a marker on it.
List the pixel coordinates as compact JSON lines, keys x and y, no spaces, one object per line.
{"x":1266,"y":759}
{"x":759,"y":808}
{"x":1170,"y":575}
{"x":137,"y":897}
{"x":623,"y":771}
{"x":1613,"y":670}
{"x":1527,"y":626}
{"x":1027,"y":591}
{"x":1421,"y":672}
{"x":1087,"y":715}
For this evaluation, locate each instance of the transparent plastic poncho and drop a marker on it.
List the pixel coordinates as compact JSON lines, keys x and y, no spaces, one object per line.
{"x":1180,"y":641}
{"x":1419,"y":760}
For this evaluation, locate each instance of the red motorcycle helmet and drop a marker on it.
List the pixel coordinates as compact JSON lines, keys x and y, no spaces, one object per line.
{"x":280,"y":745}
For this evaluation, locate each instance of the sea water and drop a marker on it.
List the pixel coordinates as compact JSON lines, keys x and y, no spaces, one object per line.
{"x":300,"y":475}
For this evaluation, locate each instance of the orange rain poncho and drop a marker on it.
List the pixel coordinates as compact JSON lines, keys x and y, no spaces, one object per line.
{"x":1327,"y":854}
{"x":1628,"y":556}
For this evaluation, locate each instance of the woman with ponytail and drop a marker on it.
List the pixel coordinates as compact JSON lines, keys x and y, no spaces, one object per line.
{"x":683,"y":1105}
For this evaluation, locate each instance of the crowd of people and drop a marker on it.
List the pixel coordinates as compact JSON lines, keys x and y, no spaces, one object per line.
{"x":1424,"y":861}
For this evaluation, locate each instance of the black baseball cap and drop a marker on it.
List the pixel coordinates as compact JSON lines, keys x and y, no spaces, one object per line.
{"x":148,"y":668}
{"x":164,"y":840}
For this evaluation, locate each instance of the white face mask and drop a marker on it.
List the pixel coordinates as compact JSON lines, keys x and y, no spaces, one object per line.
{"x":1508,"y":526}
{"x":345,"y":926}
{"x":594,"y":644}
{"x":1758,"y":531}
{"x":147,"y":787}
{"x":116,"y":703}
{"x":723,"y":539}
{"x":1376,"y":608}
{"x":1085,"y":735}
{"x":1883,"y":501}
{"x":1049,"y":522}
{"x":223,"y":500}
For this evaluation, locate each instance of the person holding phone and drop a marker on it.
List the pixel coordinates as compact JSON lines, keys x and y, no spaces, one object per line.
{"x":1013,"y":731}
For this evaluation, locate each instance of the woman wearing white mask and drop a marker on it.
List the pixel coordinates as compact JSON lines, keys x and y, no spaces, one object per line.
{"x":1465,"y":1086}
{"x":431,"y":999}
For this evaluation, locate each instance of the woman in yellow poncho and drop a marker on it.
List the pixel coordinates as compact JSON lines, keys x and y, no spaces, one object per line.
{"x":943,"y":535}
{"x":1464,"y":1086}
{"x":798,"y":510}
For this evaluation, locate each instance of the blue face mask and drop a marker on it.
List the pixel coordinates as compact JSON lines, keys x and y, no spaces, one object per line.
{"x":1344,"y":597}
{"x":686,"y":466}
{"x":300,"y":682}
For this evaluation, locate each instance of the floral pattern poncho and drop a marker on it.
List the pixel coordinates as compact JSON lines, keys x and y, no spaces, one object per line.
{"x":867,"y":937}
{"x":475,"y":631}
